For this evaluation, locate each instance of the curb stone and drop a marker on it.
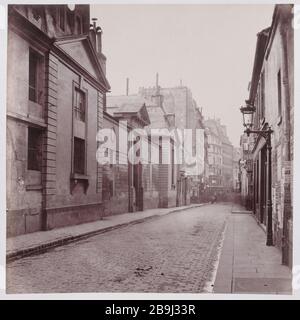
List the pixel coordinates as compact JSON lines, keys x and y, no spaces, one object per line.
{"x":42,"y":248}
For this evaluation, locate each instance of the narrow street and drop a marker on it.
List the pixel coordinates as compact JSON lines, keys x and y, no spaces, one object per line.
{"x":149,"y":151}
{"x":173,"y":253}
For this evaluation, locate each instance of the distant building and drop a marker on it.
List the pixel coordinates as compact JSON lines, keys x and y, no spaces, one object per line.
{"x":159,"y":180}
{"x":137,"y":186}
{"x":215,"y":156}
{"x":56,"y":87}
{"x":227,"y":161}
{"x":220,"y":157}
{"x":246,"y":170}
{"x":178,"y":103}
{"x":236,"y":169}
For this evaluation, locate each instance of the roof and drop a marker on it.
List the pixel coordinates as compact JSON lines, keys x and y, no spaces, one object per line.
{"x":261,"y":43}
{"x":131,"y":105}
{"x":79,"y":49}
{"x":264,"y":44}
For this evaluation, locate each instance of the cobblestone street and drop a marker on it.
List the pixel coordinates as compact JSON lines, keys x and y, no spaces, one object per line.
{"x":173,"y":253}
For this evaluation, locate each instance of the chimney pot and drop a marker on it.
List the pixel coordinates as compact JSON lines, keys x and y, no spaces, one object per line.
{"x":127,"y":86}
{"x":94,"y":22}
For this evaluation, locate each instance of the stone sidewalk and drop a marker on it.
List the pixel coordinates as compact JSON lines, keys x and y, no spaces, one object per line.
{"x":38,"y":242}
{"x":246,"y":264}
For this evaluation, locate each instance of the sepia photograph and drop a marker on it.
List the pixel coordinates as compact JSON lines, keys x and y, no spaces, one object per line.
{"x":149,"y":148}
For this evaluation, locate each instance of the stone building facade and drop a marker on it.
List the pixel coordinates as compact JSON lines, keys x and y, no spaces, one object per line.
{"x":215,"y":158}
{"x":178,"y":103}
{"x":272,"y":91}
{"x":130,"y":187}
{"x":115,"y":177}
{"x":220,"y":157}
{"x":236,"y":169}
{"x":57,"y":68}
{"x":158,"y":180}
{"x":246,"y":170}
{"x":227,"y":162}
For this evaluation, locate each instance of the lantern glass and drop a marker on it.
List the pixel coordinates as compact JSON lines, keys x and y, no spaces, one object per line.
{"x":248,"y":120}
{"x":248,"y":114}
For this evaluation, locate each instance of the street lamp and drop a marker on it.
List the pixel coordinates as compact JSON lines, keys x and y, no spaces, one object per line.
{"x":248,"y":114}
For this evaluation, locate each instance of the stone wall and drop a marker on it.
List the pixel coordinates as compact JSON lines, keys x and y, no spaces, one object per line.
{"x":51,"y":197}
{"x":24,"y":187}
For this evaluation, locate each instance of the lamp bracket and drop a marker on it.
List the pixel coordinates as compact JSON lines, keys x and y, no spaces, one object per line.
{"x":266,"y":134}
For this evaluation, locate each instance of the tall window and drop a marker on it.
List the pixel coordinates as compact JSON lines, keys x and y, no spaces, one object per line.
{"x":279,"y":93}
{"x":79,"y":105}
{"x":79,"y":155}
{"x":33,"y":69}
{"x":35,"y":77}
{"x":62,"y":17}
{"x":34,"y":151}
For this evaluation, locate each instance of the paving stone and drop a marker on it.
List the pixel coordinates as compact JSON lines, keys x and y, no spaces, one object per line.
{"x":161,"y":255}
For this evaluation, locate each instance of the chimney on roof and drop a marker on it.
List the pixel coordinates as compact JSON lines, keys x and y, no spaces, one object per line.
{"x":127,"y":86}
{"x":96,"y":35}
{"x":99,"y":39}
{"x":92,"y":32}
{"x":94,"y":22}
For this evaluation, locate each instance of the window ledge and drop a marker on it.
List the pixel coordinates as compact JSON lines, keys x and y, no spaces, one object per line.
{"x":39,"y":122}
{"x":33,"y":187}
{"x":34,"y":103}
{"x":75,"y":178}
{"x":78,"y":176}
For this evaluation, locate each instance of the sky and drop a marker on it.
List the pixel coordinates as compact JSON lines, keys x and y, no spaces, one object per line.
{"x":210,"y":48}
